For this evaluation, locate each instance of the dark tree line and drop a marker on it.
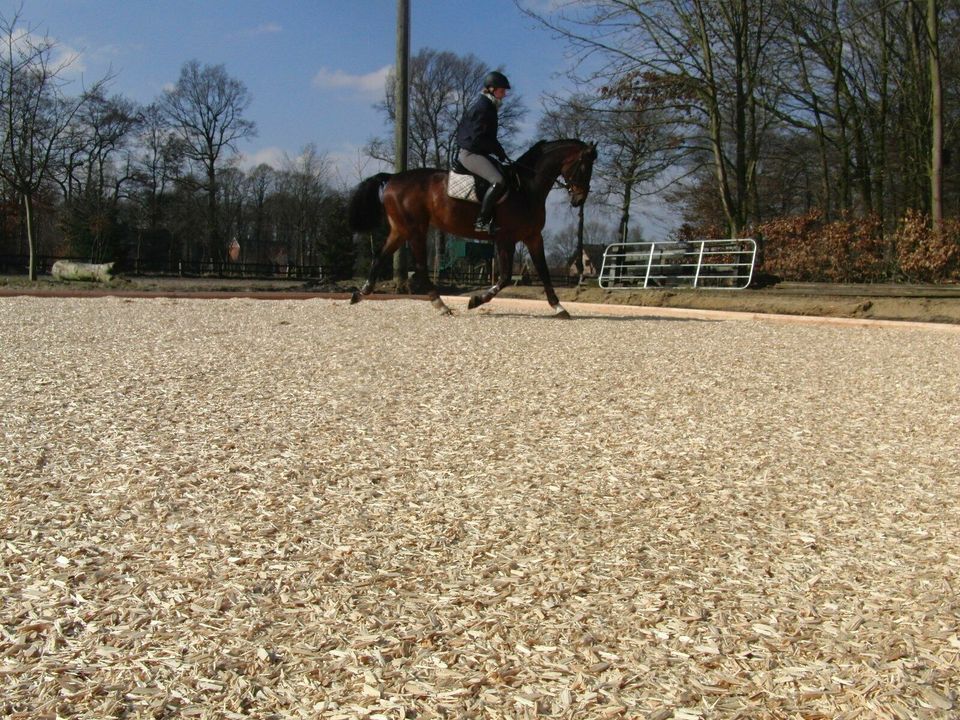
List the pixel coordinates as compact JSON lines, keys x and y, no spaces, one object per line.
{"x":98,"y":177}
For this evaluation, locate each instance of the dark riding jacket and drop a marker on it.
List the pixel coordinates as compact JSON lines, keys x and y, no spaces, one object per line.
{"x":478,"y":130}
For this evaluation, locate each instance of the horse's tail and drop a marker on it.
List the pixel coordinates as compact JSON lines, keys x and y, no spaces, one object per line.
{"x":365,"y":210}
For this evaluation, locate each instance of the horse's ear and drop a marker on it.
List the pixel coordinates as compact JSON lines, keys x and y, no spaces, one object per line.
{"x":593,"y":150}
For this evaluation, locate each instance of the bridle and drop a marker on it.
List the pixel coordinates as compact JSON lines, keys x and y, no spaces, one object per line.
{"x":574,"y":171}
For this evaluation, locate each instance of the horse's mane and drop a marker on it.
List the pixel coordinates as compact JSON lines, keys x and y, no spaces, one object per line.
{"x":531,"y":156}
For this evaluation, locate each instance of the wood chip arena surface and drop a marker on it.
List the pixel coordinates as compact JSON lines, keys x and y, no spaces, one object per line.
{"x":303,"y":509}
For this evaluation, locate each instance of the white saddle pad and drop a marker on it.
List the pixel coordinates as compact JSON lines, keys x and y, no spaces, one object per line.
{"x":462,"y":187}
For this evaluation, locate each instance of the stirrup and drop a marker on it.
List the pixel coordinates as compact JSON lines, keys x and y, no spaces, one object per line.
{"x":485,"y":226}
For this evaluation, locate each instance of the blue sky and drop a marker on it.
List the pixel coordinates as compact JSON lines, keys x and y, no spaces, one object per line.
{"x":314,"y":68}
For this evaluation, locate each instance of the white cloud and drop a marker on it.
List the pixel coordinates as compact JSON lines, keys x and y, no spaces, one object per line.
{"x":267,"y":28}
{"x":544,"y":6}
{"x":369,"y":84}
{"x":272,"y":156}
{"x":64,"y":60}
{"x":270,"y":28}
{"x":69,"y":59}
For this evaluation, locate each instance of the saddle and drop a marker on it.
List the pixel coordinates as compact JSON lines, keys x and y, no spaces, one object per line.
{"x":464,"y":185}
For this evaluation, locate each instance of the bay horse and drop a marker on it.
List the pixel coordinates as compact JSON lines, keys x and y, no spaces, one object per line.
{"x":414,"y":200}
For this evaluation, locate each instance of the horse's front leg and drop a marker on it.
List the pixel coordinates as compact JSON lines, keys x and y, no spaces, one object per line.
{"x":505,"y":250}
{"x":535,"y":246}
{"x":421,"y":277}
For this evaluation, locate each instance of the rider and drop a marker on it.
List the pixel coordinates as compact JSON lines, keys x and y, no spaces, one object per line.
{"x":477,"y":138}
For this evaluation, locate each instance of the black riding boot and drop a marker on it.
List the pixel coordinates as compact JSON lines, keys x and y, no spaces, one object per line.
{"x":484,"y":221}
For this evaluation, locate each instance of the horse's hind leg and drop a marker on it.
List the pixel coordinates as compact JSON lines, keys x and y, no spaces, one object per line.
{"x":505,"y":264}
{"x":377,"y":267}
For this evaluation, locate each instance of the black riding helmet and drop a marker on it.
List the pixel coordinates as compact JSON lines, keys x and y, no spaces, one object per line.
{"x":496,"y":79}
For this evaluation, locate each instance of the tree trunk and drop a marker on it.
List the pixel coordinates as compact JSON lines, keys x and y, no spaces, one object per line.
{"x":880,"y":179}
{"x":820,"y":133}
{"x":31,"y":242}
{"x":212,"y":219}
{"x":579,"y":263}
{"x":936,"y":118}
{"x":716,"y":125}
{"x":624,"y":229}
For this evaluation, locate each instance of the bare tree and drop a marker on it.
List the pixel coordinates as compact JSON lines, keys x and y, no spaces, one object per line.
{"x":157,"y":165}
{"x":567,"y":242}
{"x":442,"y":85}
{"x":705,"y":62}
{"x":205,"y":109}
{"x":231,"y":205}
{"x":103,"y":131}
{"x":160,"y":162}
{"x":304,"y":185}
{"x":35,"y":113}
{"x":636,"y":143}
{"x":260,"y":183}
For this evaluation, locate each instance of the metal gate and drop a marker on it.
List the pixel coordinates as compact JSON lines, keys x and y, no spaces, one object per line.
{"x":718,"y":264}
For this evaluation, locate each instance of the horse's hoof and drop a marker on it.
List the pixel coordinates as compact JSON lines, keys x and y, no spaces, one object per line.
{"x":475,"y":301}
{"x":562,"y":314}
{"x":441,"y":307}
{"x":355,"y":297}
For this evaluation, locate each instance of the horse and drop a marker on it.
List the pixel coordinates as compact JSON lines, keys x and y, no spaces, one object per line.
{"x":414,"y":200}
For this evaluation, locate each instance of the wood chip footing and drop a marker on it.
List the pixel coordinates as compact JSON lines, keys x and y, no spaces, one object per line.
{"x":276,"y":509}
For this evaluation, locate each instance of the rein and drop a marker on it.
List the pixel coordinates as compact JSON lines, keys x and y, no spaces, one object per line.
{"x":560,"y":181}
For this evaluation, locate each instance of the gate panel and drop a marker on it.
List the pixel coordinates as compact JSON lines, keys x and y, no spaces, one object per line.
{"x":716,"y":264}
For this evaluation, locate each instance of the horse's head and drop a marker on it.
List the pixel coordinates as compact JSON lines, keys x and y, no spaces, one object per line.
{"x":577,"y":170}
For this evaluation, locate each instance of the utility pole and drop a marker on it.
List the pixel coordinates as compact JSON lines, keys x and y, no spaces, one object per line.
{"x":402,"y":122}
